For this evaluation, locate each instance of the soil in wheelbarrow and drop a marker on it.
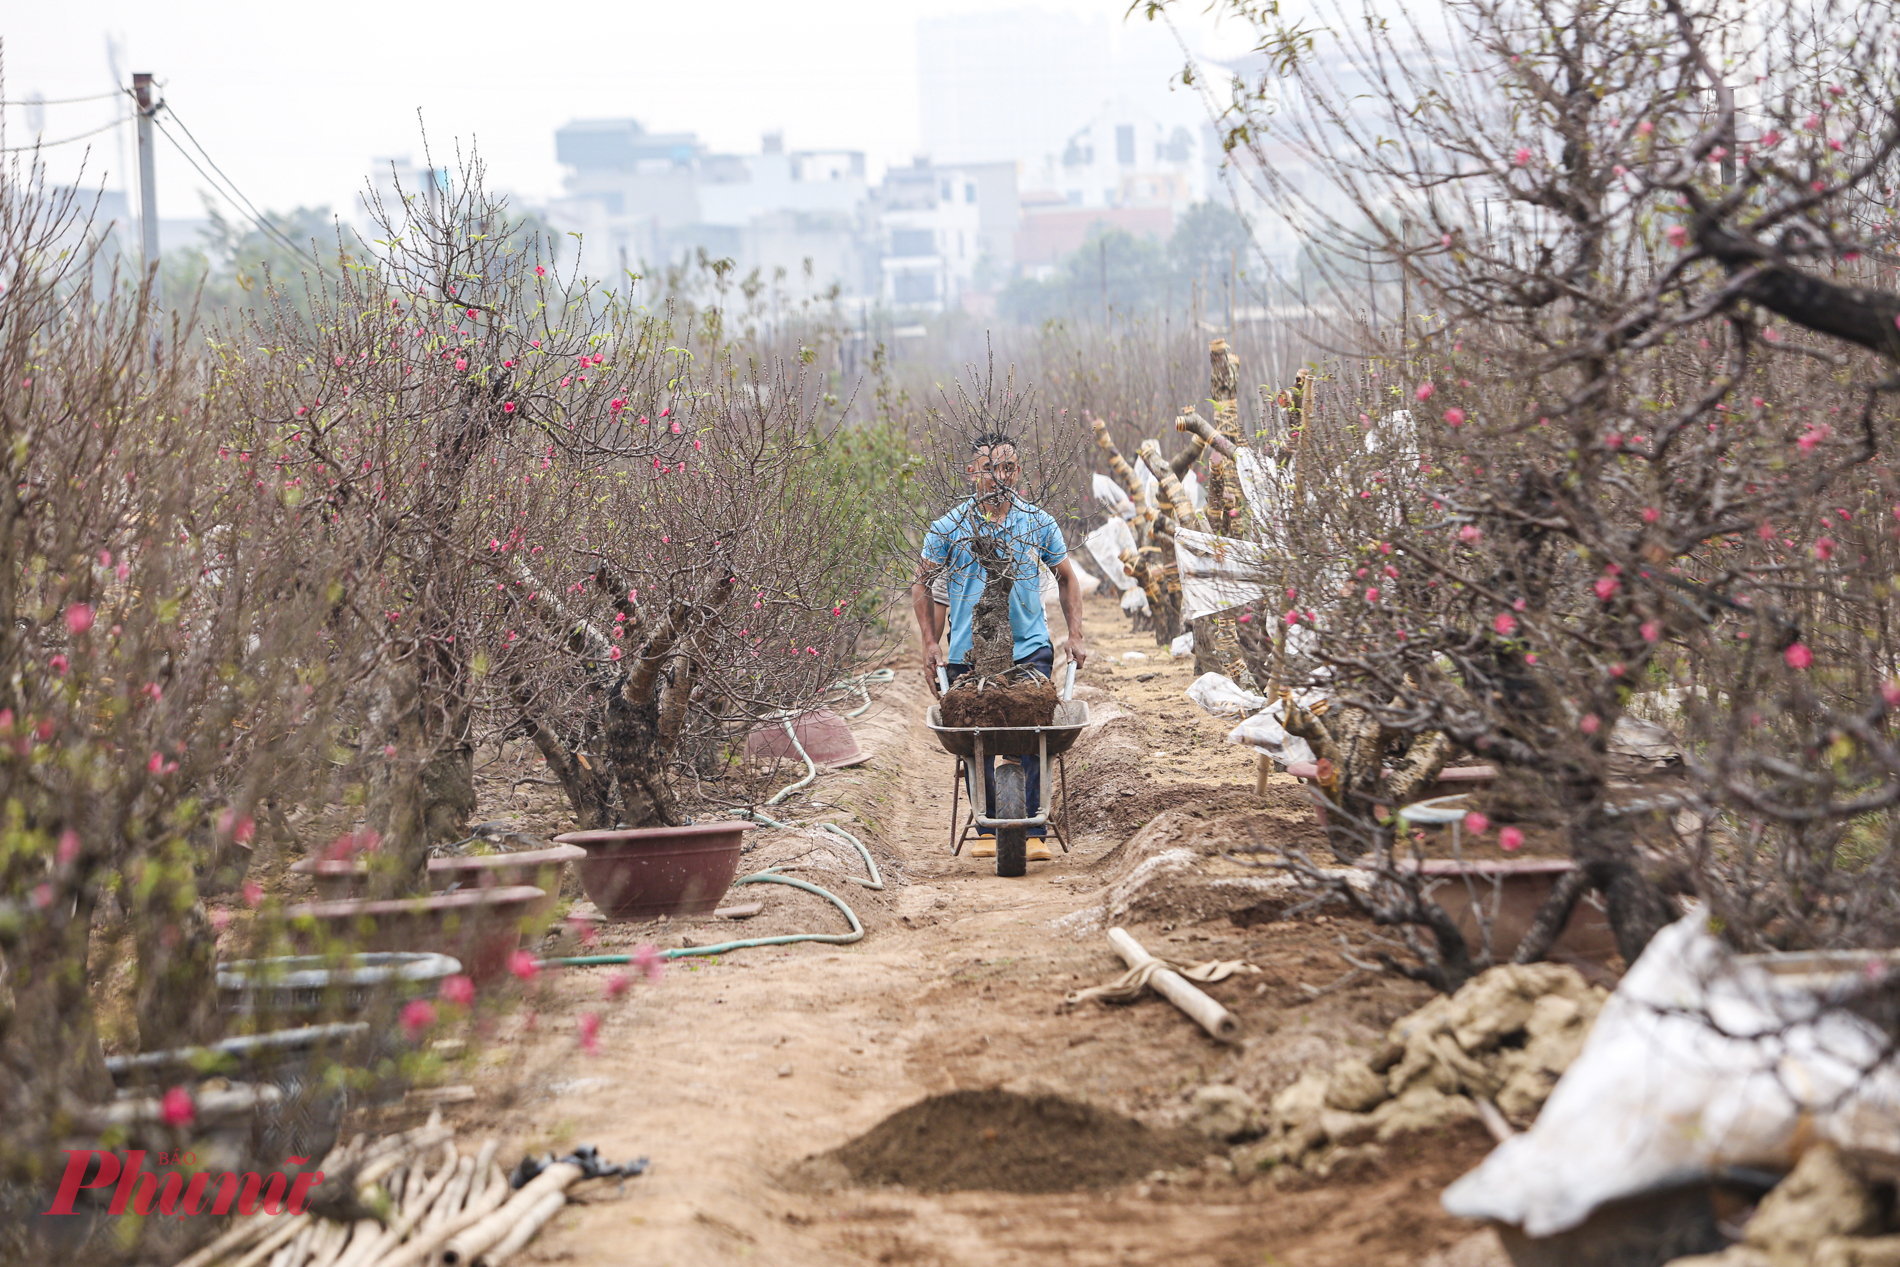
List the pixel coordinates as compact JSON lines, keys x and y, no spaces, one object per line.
{"x":1016,"y":705}
{"x":1001,"y":1141}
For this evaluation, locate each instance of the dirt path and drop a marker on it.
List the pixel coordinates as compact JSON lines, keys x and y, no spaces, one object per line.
{"x":728,"y":1073}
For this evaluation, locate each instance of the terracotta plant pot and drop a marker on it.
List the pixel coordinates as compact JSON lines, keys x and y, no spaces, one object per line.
{"x":1509,"y":891}
{"x":825,"y":736}
{"x":542,"y":868}
{"x":480,"y":927}
{"x":647,"y":872}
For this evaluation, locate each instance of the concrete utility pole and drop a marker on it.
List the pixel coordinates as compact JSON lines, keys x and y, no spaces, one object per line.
{"x":148,"y":187}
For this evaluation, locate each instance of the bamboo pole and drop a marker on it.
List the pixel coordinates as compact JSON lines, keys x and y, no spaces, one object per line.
{"x":453,"y":1198}
{"x":422,"y":1249}
{"x":524,"y":1231}
{"x":274,"y":1240}
{"x":1176,"y":989}
{"x":245,"y":1231}
{"x":465,"y":1246}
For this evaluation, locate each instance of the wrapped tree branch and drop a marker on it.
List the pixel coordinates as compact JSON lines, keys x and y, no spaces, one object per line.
{"x":1181,"y":506}
{"x":1203,"y":431}
{"x":1184,"y":461}
{"x":1118,"y":465}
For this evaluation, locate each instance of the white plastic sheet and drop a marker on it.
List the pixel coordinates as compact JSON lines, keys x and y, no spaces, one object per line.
{"x":1221,"y":696}
{"x":1256,"y":486}
{"x":1196,"y":494}
{"x":1702,"y":1058}
{"x":1089,"y":582}
{"x":1112,"y":495}
{"x":1105,"y":545}
{"x":1135,"y":602}
{"x":1218,"y":573}
{"x":1263,"y":732}
{"x":1184,"y":645}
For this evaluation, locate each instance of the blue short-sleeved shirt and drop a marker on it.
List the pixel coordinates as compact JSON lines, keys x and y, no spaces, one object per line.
{"x":1033,"y":538}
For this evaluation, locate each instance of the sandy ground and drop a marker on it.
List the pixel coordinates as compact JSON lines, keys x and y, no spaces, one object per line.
{"x":730,"y":1072}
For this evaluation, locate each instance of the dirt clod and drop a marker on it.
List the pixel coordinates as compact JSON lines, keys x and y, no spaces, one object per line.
{"x":1002,"y":1141}
{"x":1014,"y":704}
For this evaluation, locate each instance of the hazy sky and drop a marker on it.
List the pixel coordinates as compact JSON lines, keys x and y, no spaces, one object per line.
{"x":294,"y":102}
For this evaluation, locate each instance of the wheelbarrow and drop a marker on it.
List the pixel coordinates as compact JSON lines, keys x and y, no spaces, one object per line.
{"x":1009,"y":817}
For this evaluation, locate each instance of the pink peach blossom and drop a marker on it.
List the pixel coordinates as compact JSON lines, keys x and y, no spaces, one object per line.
{"x":651,"y":960}
{"x":417,"y":1015}
{"x":177,"y":1108}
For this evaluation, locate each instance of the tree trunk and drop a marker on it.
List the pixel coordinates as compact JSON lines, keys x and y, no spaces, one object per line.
{"x":49,"y":1045}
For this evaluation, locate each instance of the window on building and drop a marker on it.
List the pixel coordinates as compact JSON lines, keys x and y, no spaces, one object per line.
{"x":914,"y":288}
{"x":1125,"y":144}
{"x":948,"y":195}
{"x":907,"y":243}
{"x":969,"y":192}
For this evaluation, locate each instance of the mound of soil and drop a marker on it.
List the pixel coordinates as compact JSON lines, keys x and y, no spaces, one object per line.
{"x":1017,"y":704}
{"x":1001,"y":1141}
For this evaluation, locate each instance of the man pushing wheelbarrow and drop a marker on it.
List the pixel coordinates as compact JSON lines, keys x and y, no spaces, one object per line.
{"x":989,"y":551}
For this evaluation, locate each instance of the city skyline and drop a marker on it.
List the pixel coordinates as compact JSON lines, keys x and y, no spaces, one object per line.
{"x":798,"y":78}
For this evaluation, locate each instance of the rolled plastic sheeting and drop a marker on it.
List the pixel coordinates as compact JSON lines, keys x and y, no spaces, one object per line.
{"x":1176,"y":989}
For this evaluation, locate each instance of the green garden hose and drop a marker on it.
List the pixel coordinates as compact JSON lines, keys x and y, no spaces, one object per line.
{"x":876,"y":677}
{"x":767,"y":876}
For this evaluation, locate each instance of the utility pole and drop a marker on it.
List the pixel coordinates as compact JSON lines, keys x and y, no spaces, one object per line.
{"x":148,"y":186}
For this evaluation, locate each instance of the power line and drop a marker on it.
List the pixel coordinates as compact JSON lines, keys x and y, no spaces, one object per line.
{"x":63,"y":101}
{"x":47,"y":145}
{"x":235,"y":196}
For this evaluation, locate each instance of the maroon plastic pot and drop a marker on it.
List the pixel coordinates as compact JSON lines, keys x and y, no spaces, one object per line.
{"x":482,"y":927}
{"x":349,"y":877}
{"x":642,"y":873}
{"x":1509,"y":891}
{"x":825,"y":736}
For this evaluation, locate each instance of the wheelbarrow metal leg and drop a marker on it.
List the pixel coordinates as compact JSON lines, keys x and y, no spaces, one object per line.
{"x":1062,"y":772}
{"x":956,"y":792}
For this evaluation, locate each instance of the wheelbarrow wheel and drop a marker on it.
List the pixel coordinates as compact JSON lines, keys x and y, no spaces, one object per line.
{"x":1010,"y":847}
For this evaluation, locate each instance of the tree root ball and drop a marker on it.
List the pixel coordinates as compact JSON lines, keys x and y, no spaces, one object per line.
{"x":994,"y":705}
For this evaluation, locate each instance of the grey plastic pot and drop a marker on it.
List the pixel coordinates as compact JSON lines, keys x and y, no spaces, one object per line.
{"x":340,"y":987}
